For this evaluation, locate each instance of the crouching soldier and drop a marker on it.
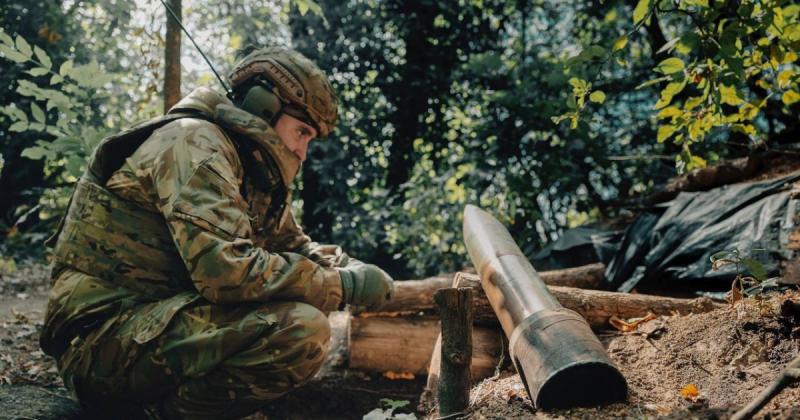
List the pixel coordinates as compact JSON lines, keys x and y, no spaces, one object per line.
{"x":182,"y":285}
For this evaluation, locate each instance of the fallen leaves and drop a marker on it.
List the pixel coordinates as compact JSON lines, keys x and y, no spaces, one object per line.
{"x":516,"y":392}
{"x":631,"y":324}
{"x":398,"y":375}
{"x":691,"y":393}
{"x":735,"y":295}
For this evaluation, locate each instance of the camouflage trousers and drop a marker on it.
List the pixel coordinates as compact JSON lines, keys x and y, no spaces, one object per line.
{"x":212,"y":361}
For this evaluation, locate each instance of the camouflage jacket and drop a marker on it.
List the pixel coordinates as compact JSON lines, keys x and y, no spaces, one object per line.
{"x":200,"y":207}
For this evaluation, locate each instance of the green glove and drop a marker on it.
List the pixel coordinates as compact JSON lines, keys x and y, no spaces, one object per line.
{"x":365,"y":285}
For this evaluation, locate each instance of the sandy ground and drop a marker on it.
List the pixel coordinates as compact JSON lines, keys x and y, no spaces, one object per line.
{"x":728,"y":355}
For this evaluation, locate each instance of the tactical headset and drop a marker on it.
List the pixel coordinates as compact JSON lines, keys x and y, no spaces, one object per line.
{"x":258,"y":98}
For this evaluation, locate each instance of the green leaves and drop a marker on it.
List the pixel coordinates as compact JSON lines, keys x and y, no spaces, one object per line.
{"x":671,"y":65}
{"x":729,"y":95}
{"x":303,"y":6}
{"x":23,"y":47}
{"x":598,"y":97}
{"x":755,"y":268}
{"x":65,"y":68}
{"x":37,"y":113}
{"x":620,"y":43}
{"x":12,"y":54}
{"x":43,"y":58}
{"x":730,"y":257}
{"x":665,"y":132}
{"x":641,"y":11}
{"x":669,"y":92}
{"x":5,"y":39}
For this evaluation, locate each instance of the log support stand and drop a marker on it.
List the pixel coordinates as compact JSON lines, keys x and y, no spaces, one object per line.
{"x":455,"y":308}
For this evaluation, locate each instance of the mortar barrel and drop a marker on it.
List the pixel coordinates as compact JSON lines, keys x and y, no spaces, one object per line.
{"x":560,"y":360}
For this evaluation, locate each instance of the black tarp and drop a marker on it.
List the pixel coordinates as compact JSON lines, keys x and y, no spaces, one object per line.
{"x":578,"y":246}
{"x":671,"y":245}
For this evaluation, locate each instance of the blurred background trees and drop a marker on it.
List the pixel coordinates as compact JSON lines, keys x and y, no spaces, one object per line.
{"x":549,"y":114}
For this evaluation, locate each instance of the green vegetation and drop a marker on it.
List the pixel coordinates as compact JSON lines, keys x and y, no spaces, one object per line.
{"x":550,"y":114}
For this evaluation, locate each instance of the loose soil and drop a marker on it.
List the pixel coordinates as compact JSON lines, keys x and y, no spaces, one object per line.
{"x":729,"y":355}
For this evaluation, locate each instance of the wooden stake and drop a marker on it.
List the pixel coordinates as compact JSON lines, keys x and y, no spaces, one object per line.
{"x":455,"y":308}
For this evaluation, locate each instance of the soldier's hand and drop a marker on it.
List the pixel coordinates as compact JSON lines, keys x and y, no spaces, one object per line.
{"x":365,"y":285}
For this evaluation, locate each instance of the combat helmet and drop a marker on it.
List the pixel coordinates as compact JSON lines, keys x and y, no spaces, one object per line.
{"x":270,"y":81}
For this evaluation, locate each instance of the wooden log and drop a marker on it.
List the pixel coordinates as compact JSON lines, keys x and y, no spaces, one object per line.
{"x":595,"y":305}
{"x":417,"y":295}
{"x":405,"y":344}
{"x":428,"y":398}
{"x":455,"y":311}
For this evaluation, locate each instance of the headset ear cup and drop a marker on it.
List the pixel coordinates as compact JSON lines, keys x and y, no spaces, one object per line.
{"x":263,"y":103}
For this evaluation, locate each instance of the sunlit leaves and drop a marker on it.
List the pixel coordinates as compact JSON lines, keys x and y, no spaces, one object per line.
{"x":790,"y":97}
{"x":670,"y":66}
{"x":304,"y":6}
{"x":37,"y":112}
{"x":665,"y":132}
{"x":598,"y":97}
{"x":43,"y":58}
{"x":641,"y":10}
{"x":23,"y":47}
{"x":620,"y":43}
{"x":65,"y":68}
{"x":729,"y":95}
{"x":669,"y":92}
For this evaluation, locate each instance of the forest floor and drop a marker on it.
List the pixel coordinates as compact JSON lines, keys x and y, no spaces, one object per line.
{"x":703,"y":366}
{"x":728,"y":355}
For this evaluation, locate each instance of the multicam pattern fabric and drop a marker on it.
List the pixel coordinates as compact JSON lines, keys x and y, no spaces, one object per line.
{"x":180,"y":284}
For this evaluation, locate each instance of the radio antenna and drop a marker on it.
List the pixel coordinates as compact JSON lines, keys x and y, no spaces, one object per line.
{"x":178,"y":21}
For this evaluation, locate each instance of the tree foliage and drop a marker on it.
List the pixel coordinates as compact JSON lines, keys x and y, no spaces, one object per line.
{"x":550,"y":114}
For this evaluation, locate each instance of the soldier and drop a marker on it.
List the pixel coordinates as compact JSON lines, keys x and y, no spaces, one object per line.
{"x":182,"y":285}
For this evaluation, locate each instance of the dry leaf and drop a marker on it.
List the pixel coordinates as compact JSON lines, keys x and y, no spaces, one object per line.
{"x":631,"y":324}
{"x":21,"y":317}
{"x":661,"y":409}
{"x":691,"y":393}
{"x":735,"y":294}
{"x":398,"y":375}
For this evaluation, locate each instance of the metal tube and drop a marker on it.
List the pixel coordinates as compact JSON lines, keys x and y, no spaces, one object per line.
{"x":558,"y":357}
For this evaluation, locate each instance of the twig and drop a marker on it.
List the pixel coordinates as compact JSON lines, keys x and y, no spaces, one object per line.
{"x":789,"y":374}
{"x":452,"y":416}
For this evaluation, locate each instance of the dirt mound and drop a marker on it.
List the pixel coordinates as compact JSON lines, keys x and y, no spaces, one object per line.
{"x":728,"y":356}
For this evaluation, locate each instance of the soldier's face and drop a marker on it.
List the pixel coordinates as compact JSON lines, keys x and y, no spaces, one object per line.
{"x":295,"y":134}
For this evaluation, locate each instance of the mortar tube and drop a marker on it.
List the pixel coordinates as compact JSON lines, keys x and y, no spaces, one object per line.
{"x":561,"y":362}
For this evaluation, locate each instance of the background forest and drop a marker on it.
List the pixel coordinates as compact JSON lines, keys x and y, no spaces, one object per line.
{"x":551,"y":114}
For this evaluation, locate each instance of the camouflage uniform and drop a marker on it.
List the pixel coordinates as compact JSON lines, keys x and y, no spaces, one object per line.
{"x":180,"y":288}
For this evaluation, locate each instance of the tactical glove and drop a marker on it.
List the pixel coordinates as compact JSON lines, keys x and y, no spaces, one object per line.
{"x":365,"y":285}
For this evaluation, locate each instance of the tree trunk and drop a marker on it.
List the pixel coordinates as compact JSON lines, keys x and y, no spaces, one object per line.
{"x":172,"y":57}
{"x":405,"y":344}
